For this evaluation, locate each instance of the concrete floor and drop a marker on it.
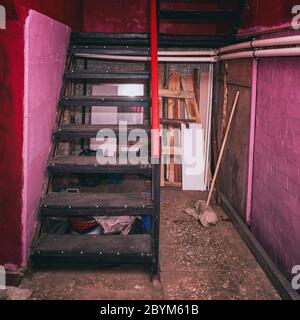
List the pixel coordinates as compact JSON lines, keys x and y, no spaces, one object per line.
{"x":196,"y":263}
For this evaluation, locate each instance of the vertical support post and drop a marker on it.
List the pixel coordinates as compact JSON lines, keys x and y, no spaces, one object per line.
{"x":251,"y":142}
{"x":215,"y":140}
{"x":156,"y":220}
{"x":155,"y":153}
{"x":83,"y":114}
{"x":154,"y":84}
{"x":208,"y":122}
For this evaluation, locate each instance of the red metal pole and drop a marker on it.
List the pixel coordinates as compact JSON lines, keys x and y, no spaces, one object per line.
{"x":154,"y":81}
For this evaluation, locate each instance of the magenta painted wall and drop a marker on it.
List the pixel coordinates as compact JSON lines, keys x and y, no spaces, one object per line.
{"x":44,"y":67}
{"x":11,"y":130}
{"x":134,"y":16}
{"x":276,"y":182}
{"x":264,"y":16}
{"x":116,"y":16}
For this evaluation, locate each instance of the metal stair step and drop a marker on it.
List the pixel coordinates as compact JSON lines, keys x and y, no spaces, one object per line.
{"x":91,"y":131}
{"x":110,"y":50}
{"x":93,"y":75}
{"x":89,"y":101}
{"x":88,"y":248}
{"x":117,"y":39}
{"x":82,"y":164}
{"x":66,"y":204}
{"x":211,"y":15}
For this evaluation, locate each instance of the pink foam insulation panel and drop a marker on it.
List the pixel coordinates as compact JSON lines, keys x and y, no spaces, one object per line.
{"x":46,"y":43}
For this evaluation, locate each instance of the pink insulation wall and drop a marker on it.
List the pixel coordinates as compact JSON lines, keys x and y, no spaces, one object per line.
{"x":46,"y":43}
{"x":276,"y":181}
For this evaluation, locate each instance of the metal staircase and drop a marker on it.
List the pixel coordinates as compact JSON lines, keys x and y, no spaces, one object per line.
{"x":65,"y":163}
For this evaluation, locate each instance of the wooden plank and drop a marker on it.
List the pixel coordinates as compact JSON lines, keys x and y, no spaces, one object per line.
{"x":160,"y":86}
{"x":174,"y":85}
{"x":176,"y":122}
{"x":176,"y":94}
{"x":173,"y":185}
{"x":161,"y":115}
{"x":204,"y":88}
{"x":187,"y":82}
{"x":234,"y":168}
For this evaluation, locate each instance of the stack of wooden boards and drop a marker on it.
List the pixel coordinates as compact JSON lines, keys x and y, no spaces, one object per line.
{"x":179,"y":103}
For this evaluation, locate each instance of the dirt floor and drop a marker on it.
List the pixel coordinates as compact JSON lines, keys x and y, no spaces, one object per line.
{"x":196,"y":263}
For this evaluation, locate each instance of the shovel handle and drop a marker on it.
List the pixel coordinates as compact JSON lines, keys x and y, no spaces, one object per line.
{"x":222,"y":149}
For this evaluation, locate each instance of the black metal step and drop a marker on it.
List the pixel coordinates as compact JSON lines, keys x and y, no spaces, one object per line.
{"x":81,"y":164}
{"x":164,"y":41}
{"x":207,"y":15}
{"x":110,"y":50}
{"x":66,"y":204}
{"x":105,"y":101}
{"x":89,"y":249}
{"x":117,"y":39}
{"x":191,"y":41}
{"x":91,"y":131}
{"x":90,"y":75}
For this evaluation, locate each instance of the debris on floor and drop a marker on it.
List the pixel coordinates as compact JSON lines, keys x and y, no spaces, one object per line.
{"x":13,"y":293}
{"x":196,"y":264}
{"x":203,"y":213}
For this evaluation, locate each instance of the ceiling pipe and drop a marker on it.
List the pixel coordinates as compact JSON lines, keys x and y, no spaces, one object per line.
{"x":249,"y":49}
{"x":187,"y":53}
{"x":268,"y":53}
{"x":275,"y":42}
{"x":187,"y":59}
{"x":209,"y":59}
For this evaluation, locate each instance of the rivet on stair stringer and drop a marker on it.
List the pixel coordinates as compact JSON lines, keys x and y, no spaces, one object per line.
{"x":62,"y":252}
{"x":100,"y":253}
{"x":39,"y":252}
{"x":142,"y":254}
{"x":81,"y":252}
{"x":125,"y":206}
{"x":45,"y":206}
{"x":70,"y":207}
{"x":118,"y":253}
